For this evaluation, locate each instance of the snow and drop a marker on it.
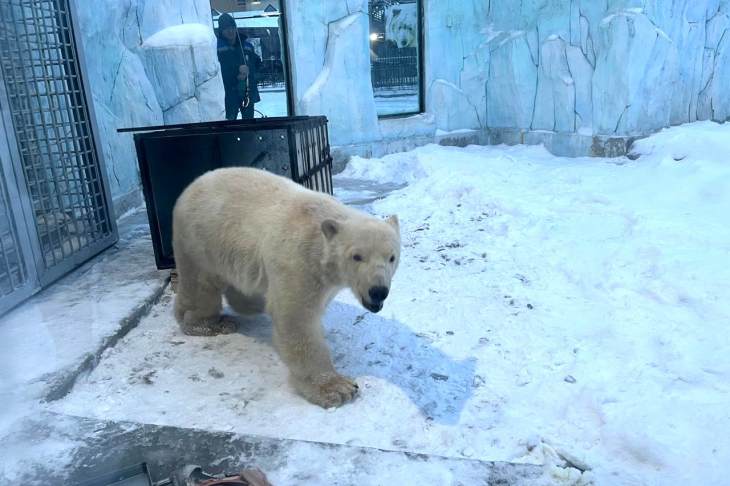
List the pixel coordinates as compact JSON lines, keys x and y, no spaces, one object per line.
{"x":396,"y":105}
{"x":182,"y":35}
{"x":273,"y":103}
{"x":455,"y":132}
{"x":65,"y":344}
{"x":565,"y":312}
{"x":20,"y":453}
{"x":193,"y":91}
{"x":50,"y":336}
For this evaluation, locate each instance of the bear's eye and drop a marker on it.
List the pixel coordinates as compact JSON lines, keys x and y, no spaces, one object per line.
{"x":357,"y":257}
{"x":392,"y":258}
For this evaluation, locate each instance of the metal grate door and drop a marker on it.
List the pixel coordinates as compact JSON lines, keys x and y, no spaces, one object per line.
{"x":16,"y":281}
{"x":13,"y":273}
{"x":50,"y":132}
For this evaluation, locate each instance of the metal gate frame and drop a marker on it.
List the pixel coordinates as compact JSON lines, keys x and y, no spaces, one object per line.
{"x":18,"y":209}
{"x":21,"y":209}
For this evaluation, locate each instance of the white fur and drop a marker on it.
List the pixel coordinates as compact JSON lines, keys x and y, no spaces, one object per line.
{"x":273,"y":246}
{"x":401,"y":24}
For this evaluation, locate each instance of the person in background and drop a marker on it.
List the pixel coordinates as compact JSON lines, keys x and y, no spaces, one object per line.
{"x":239,"y":67}
{"x":253,"y":63}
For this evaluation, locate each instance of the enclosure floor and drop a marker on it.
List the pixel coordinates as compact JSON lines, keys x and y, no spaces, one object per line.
{"x":273,"y":103}
{"x":47,"y":338}
{"x":54,"y":336}
{"x":564,"y":312}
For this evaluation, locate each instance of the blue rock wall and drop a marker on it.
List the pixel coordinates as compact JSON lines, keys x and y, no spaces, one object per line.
{"x":609,"y":68}
{"x":581,"y":76}
{"x":133,"y":84}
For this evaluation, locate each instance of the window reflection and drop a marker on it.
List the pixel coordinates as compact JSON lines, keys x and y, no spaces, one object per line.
{"x":394,"y":56}
{"x":251,"y":56}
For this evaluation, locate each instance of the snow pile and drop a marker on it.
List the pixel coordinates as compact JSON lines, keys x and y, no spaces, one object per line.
{"x":180,"y":36}
{"x":394,"y":169}
{"x":704,"y":142}
{"x":193,"y":90}
{"x":568,"y":312}
{"x":625,"y":266}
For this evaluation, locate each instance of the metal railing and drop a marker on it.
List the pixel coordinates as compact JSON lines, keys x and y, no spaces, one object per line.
{"x":395,"y":72}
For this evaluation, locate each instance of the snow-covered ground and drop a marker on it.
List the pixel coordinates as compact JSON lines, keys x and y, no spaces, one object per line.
{"x":546,"y":309}
{"x":273,"y":103}
{"x":394,"y":103}
{"x":51,"y":336}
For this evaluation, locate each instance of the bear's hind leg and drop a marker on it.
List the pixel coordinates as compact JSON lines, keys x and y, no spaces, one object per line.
{"x":245,"y":305}
{"x":198,"y":302}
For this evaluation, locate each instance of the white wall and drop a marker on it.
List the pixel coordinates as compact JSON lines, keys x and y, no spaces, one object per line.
{"x":567,"y":73}
{"x":581,"y":76}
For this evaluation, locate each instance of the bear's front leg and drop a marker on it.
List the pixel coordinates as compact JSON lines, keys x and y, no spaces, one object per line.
{"x":299,"y":338}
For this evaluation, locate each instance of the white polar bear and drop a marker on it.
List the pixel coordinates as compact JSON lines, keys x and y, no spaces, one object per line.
{"x":274,"y":246}
{"x":401,"y":21}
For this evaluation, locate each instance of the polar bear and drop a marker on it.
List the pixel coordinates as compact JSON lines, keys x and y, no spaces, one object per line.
{"x":401,"y":22}
{"x":271,"y":245}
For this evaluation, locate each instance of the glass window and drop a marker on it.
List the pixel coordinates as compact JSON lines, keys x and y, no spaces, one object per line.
{"x":395,"y":54}
{"x":253,"y":58}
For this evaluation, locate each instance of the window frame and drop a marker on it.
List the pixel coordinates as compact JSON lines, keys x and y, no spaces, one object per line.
{"x":285,"y":45}
{"x":284,"y":31}
{"x":421,"y":68}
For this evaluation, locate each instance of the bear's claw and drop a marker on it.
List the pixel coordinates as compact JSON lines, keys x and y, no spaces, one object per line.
{"x":210,"y":327}
{"x":333,"y":392}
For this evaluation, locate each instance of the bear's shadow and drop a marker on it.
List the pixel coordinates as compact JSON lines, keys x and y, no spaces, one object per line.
{"x":365,"y":344}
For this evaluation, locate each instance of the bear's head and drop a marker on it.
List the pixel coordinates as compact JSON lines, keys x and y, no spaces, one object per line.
{"x":401,"y":22}
{"x":366,"y":256}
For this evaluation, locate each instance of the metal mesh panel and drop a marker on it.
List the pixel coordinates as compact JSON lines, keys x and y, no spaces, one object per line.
{"x":13,"y":272}
{"x":314,"y":162}
{"x":53,"y":128}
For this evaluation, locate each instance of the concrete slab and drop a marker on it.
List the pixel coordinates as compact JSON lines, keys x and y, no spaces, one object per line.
{"x":60,"y":332}
{"x":99,"y":447}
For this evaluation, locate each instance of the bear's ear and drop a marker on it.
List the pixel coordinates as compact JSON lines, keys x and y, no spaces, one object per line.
{"x":330,"y":228}
{"x":393,"y":221}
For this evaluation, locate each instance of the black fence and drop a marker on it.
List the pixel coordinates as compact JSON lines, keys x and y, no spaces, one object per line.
{"x":271,"y":74}
{"x":171,"y":157}
{"x":392,"y":67}
{"x":395,"y":72}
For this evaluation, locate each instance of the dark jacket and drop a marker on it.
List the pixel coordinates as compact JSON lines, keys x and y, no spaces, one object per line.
{"x":233,"y":56}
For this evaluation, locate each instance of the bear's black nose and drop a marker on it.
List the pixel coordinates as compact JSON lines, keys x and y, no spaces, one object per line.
{"x":378,"y":294}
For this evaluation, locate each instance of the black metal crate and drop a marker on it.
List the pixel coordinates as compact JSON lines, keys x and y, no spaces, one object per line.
{"x":170,"y":157}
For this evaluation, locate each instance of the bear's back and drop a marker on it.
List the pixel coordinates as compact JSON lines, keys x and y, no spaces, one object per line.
{"x":244,"y":190}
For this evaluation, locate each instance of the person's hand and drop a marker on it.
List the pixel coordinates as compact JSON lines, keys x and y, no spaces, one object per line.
{"x":242,"y":72}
